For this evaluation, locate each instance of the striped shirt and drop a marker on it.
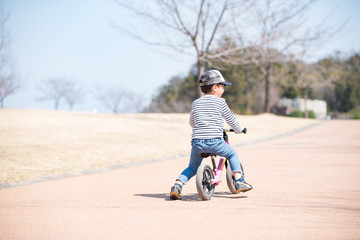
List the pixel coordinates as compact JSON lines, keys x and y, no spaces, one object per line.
{"x":207,"y":117}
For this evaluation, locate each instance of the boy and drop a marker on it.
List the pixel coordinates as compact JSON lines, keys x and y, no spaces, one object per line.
{"x":206,"y":119}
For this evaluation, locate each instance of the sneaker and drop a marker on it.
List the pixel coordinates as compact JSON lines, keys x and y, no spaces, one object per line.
{"x":242,"y":186}
{"x":175,"y":192}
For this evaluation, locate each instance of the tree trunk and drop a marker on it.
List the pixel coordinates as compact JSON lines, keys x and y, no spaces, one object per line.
{"x":201,"y":70}
{"x":248,"y":92}
{"x":267,"y":79}
{"x":56,"y":104}
{"x":305,"y":94}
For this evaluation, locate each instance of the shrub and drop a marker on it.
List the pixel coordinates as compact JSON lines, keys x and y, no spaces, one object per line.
{"x":311,"y":114}
{"x":297,"y":113}
{"x":248,"y":112}
{"x":354,"y":114}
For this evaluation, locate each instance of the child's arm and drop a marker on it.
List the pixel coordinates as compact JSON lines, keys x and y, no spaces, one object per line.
{"x":191,"y":119}
{"x":231,"y":119}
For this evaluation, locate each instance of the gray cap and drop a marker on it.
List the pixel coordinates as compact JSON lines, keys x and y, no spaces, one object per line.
{"x":212,"y":77}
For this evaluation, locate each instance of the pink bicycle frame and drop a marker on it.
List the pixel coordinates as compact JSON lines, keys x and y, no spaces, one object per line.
{"x":218,"y":171}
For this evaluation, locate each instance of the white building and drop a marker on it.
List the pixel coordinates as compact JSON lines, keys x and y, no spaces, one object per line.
{"x":318,"y":106}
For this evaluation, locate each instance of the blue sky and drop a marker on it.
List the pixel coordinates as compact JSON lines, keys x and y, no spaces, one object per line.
{"x":74,"y":39}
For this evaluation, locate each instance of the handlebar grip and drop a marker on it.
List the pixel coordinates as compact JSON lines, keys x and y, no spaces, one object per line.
{"x":232,"y":130}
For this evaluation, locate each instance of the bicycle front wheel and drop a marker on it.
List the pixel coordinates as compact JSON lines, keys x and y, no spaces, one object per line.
{"x":230,"y":180}
{"x":203,"y":182}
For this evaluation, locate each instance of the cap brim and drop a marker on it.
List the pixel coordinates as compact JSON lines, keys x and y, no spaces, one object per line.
{"x":226,"y":83}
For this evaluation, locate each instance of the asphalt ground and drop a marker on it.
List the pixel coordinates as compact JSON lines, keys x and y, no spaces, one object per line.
{"x":306,"y":186}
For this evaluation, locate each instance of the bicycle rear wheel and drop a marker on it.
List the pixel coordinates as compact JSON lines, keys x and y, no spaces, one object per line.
{"x":230,"y":180}
{"x":203,"y":182}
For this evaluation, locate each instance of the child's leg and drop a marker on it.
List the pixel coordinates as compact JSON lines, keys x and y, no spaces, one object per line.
{"x":237,"y":175}
{"x":225,"y":150}
{"x":190,"y":171}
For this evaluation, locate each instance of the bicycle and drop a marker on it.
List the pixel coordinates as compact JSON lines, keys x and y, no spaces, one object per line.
{"x":207,"y":178}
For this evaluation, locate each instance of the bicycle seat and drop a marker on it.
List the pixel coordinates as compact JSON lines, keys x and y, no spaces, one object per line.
{"x":205,"y":155}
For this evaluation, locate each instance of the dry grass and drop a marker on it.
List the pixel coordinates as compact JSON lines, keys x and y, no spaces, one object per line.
{"x":35,"y":144}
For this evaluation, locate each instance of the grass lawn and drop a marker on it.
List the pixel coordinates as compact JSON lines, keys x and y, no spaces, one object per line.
{"x":36,"y":144}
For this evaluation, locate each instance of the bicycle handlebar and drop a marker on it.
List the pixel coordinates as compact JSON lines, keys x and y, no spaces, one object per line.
{"x":232,"y":130}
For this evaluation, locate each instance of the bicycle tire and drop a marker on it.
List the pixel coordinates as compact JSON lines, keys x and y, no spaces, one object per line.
{"x":230,"y":180}
{"x":203,"y":182}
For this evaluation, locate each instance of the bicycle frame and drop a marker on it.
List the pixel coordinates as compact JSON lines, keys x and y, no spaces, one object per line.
{"x":219,"y":169}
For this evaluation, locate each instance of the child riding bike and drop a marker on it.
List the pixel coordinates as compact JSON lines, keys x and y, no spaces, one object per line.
{"x":206,"y":119}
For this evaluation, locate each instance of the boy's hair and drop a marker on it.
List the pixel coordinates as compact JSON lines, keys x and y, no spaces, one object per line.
{"x":206,"y":88}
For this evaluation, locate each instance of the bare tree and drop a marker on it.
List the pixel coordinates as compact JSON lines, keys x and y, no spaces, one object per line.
{"x":275,"y":34}
{"x":279,"y":29}
{"x":223,"y":33}
{"x":293,"y":35}
{"x":112,"y":98}
{"x":118,"y":99}
{"x":310,"y":74}
{"x":52,"y":89}
{"x":56,"y":89}
{"x":9,"y":83}
{"x":4,"y":36}
{"x":188,"y":27}
{"x":73,"y":93}
{"x":8,"y":86}
{"x":135,"y":102}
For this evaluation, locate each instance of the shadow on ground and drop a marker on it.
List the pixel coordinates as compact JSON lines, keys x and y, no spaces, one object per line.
{"x":189,"y":197}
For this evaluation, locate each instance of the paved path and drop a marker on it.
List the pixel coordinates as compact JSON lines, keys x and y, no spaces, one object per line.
{"x":306,"y":186}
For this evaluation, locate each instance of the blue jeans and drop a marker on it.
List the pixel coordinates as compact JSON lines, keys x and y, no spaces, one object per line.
{"x":216,"y":146}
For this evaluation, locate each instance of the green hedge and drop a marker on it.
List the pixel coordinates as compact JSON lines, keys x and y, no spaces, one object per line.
{"x":300,"y":114}
{"x":354,"y":114}
{"x":311,"y":114}
{"x":297,"y":113}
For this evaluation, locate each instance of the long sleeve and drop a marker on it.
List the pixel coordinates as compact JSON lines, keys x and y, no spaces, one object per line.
{"x":191,"y":119}
{"x":230,"y":118}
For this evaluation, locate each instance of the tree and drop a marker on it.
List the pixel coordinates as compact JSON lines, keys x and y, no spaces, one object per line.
{"x":175,"y":96}
{"x":347,"y":90}
{"x":112,"y":98}
{"x":189,"y":27}
{"x":73,"y":93}
{"x":306,"y":75}
{"x":309,"y":74}
{"x":134,"y":102}
{"x":278,"y":30}
{"x":223,"y":33}
{"x":52,"y":89}
{"x":238,"y":96}
{"x":56,"y":89}
{"x":9,"y":83}
{"x":118,"y":99}
{"x":277,"y":24}
{"x":8,"y":86}
{"x":331,"y":70}
{"x":243,"y":76}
